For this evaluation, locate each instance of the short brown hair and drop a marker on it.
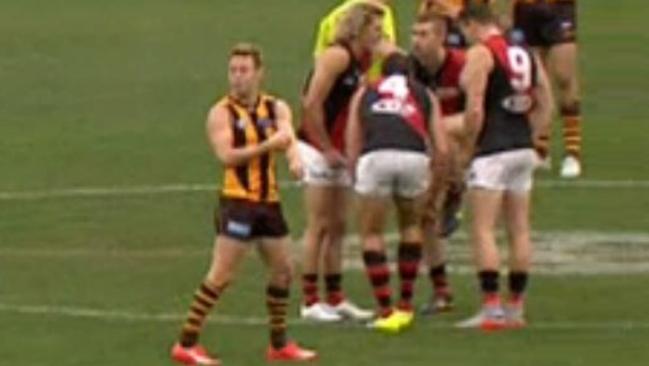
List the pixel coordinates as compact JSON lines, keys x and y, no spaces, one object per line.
{"x":248,"y":50}
{"x":478,"y":10}
{"x":396,"y":64}
{"x":432,"y":17}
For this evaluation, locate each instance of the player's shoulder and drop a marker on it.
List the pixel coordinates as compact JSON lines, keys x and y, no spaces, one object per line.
{"x":336,"y":56}
{"x":222,"y":106}
{"x":277,"y":105}
{"x":478,"y":52}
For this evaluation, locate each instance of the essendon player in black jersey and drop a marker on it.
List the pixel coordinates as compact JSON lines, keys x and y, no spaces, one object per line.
{"x":335,"y":78}
{"x":391,"y":136}
{"x":550,"y":27}
{"x":508,"y":106}
{"x":439,"y":68}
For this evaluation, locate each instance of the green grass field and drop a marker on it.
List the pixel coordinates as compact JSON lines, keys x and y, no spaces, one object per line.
{"x":105,"y":198}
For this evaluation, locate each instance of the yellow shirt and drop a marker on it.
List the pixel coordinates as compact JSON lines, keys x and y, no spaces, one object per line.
{"x":327,"y":29}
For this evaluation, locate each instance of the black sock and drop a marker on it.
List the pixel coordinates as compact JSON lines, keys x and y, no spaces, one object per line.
{"x":518,"y":284}
{"x":489,"y":281}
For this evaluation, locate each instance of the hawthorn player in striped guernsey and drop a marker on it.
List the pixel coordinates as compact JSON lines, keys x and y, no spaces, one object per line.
{"x":247,"y":129}
{"x":550,"y":27}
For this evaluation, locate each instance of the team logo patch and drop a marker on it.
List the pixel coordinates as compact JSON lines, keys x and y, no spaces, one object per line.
{"x":238,"y":229}
{"x":454,"y":39}
{"x":240,"y":124}
{"x":517,"y":36}
{"x":350,"y":80}
{"x":265,"y":123}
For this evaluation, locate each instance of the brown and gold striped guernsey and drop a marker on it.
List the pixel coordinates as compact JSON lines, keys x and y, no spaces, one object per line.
{"x":256,"y":180}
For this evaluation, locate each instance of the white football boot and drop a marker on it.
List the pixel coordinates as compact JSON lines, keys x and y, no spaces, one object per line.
{"x":319,"y":312}
{"x":348,"y":310}
{"x":488,"y":318}
{"x":571,"y":167}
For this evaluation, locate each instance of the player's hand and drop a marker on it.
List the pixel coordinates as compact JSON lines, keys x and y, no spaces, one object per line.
{"x":280,"y":140}
{"x":296,"y":168}
{"x":335,"y":159}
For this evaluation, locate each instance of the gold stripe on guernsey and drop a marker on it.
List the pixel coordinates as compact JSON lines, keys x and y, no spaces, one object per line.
{"x":256,"y":180}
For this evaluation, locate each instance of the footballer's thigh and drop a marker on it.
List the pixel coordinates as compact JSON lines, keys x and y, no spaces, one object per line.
{"x":562,"y":63}
{"x":227,"y":255}
{"x":276,"y":255}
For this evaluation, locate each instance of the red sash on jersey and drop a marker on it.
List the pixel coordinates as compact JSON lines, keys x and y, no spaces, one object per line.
{"x":498,"y":46}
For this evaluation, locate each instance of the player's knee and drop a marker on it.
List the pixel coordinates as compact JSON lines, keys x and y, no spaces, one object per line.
{"x":282,"y":274}
{"x":318,"y":227}
{"x":566,"y":84}
{"x":373,"y":242}
{"x":412,"y":234}
{"x":483,"y":235}
{"x":337,"y":227}
{"x":220,"y":278}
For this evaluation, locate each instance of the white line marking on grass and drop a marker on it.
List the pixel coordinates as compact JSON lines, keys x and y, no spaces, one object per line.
{"x":555,"y":253}
{"x":125,"y":191}
{"x":134,"y":316}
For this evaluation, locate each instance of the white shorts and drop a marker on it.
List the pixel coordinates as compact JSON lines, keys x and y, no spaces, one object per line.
{"x":392,"y":172}
{"x":318,"y":172}
{"x":505,"y":171}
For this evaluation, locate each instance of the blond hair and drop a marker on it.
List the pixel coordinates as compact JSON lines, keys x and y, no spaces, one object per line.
{"x":248,"y":50}
{"x":356,"y":19}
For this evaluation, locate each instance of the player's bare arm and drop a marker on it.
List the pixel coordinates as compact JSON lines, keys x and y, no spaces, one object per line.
{"x":220,"y":138}
{"x":329,"y":65}
{"x":285,"y":126}
{"x":474,"y":82}
{"x":354,"y":132}
{"x":541,"y":115}
{"x":441,"y":155}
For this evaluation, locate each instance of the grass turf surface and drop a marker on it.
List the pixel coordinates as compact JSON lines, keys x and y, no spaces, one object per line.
{"x":114,"y":94}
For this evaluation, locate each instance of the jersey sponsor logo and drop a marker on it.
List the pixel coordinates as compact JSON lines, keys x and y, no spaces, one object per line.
{"x":518,"y":103}
{"x":394,"y":106}
{"x":352,"y":80}
{"x":239,"y":229}
{"x":240,"y":124}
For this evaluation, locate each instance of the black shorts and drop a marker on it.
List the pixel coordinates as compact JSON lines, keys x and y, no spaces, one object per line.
{"x":546,"y":24}
{"x":245,"y":220}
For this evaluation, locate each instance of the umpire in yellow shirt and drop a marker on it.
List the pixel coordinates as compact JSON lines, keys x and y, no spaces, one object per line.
{"x":327,"y":27}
